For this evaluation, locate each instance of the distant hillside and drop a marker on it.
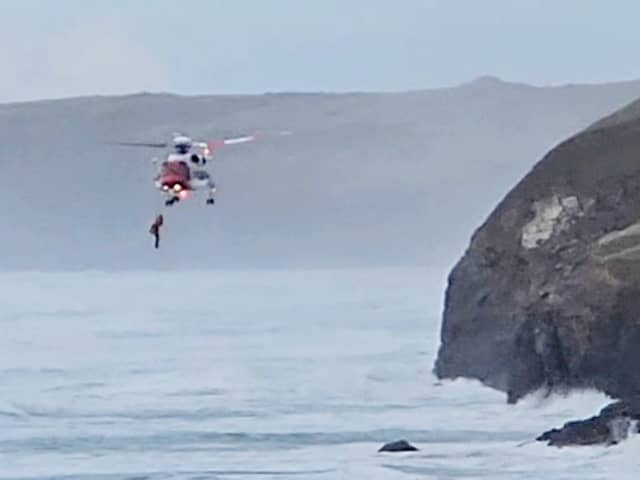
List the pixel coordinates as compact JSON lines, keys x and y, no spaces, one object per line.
{"x":364,"y":179}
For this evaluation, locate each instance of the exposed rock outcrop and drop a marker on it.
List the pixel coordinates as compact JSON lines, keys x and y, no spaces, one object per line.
{"x":398,"y":446}
{"x":613,"y":424}
{"x":548,"y":293}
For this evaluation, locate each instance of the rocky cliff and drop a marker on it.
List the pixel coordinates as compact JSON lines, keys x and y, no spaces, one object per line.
{"x":548,"y":293}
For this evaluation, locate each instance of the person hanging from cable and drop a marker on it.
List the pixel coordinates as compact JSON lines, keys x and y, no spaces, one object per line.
{"x":155,"y":229}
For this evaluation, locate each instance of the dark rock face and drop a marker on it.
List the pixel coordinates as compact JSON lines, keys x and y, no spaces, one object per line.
{"x":399,"y":446}
{"x":612,"y":425}
{"x":548,"y":293}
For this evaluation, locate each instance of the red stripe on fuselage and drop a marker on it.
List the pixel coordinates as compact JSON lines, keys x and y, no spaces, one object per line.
{"x":175,"y":173}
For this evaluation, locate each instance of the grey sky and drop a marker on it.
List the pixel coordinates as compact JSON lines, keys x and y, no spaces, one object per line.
{"x":54,"y":48}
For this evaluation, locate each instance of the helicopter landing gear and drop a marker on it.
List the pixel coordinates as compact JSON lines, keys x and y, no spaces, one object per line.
{"x":171,"y":201}
{"x":212,"y":191}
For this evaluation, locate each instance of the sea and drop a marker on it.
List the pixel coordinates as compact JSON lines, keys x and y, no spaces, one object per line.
{"x":265,"y":374}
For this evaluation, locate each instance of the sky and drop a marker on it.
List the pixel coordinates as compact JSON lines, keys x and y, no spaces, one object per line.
{"x":62,"y":48}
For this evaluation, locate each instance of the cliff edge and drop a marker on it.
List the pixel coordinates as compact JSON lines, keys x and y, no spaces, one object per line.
{"x":547,"y":294}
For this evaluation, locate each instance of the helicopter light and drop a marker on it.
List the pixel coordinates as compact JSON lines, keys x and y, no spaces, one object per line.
{"x":165,"y":187}
{"x":183,"y":194}
{"x":177,"y":187}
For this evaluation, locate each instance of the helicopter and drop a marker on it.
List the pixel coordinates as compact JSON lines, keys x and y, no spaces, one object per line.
{"x":184,"y":168}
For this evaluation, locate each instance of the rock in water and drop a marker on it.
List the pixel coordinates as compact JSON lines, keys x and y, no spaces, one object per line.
{"x":612,"y":425}
{"x":399,"y":446}
{"x":548,"y":293}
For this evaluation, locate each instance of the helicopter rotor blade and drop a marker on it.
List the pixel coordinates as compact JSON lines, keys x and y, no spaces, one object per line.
{"x":216,"y":144}
{"x":236,"y":140}
{"x":143,"y":144}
